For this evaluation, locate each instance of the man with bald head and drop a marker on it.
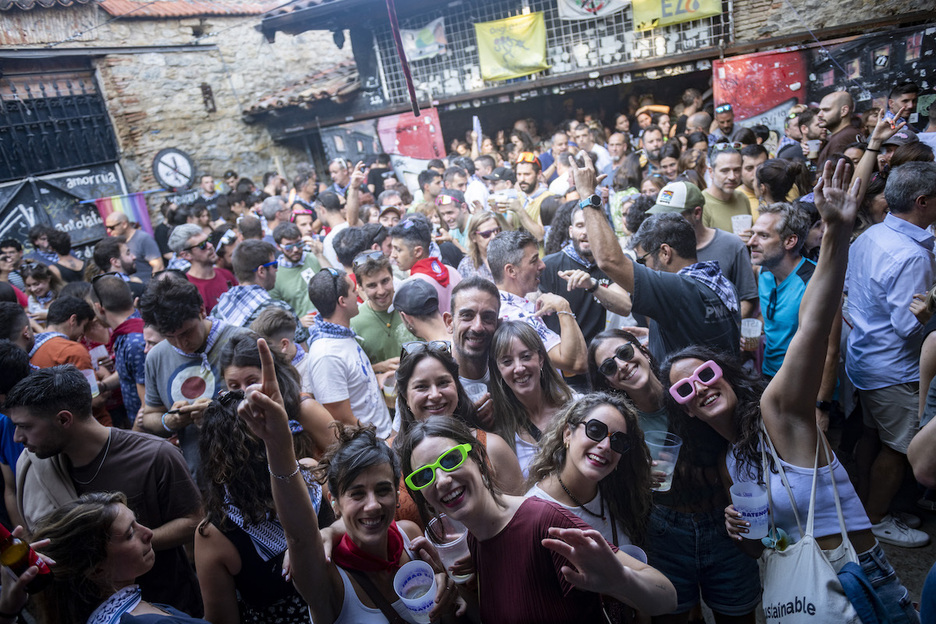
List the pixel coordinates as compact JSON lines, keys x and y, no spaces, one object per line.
{"x":835,"y":111}
{"x":699,"y":122}
{"x":140,"y":243}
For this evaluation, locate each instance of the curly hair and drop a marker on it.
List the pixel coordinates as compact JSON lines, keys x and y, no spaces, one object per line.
{"x":453,"y":429}
{"x":511,"y":414}
{"x":748,"y":389}
{"x":627,"y":490}
{"x":464,"y":411}
{"x":79,"y":533}
{"x":598,"y":382}
{"x":169,"y":301}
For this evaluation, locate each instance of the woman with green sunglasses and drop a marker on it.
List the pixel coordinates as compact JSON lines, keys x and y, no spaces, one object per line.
{"x":535,"y":561}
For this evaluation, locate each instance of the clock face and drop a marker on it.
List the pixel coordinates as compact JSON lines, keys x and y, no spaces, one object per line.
{"x":173,"y":168}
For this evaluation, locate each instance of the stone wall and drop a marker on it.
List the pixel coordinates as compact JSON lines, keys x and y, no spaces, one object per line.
{"x":155,"y":100}
{"x":758,"y":19}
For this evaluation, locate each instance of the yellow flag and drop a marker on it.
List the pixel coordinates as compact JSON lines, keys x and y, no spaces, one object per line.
{"x":655,"y":13}
{"x":512,"y":47}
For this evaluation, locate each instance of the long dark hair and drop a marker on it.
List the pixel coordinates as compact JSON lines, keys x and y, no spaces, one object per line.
{"x":627,"y":490}
{"x":464,"y":411}
{"x":748,"y":389}
{"x":597,"y":381}
{"x":357,"y":449}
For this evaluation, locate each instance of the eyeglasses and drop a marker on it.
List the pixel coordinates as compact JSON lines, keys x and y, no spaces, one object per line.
{"x":643,"y":259}
{"x":230,"y":398}
{"x":597,"y":431}
{"x":720,"y":147}
{"x":110,"y":227}
{"x":366,"y":256}
{"x":485,"y":234}
{"x":202,"y":245}
{"x":724,"y":108}
{"x":417,"y":346}
{"x":528,"y":157}
{"x":272,"y":264}
{"x":446,"y":200}
{"x":684,"y":390}
{"x":625,"y":353}
{"x":449,"y":461}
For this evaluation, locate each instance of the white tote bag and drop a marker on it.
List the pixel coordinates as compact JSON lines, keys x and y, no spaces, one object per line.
{"x":800,"y":583}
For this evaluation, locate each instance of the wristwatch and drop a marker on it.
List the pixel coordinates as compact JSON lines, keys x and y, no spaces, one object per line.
{"x":825,"y":406}
{"x":593,"y":287}
{"x":592,"y":201}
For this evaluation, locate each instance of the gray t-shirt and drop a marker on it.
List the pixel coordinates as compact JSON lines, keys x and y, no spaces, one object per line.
{"x":733,"y":259}
{"x":144,"y":247}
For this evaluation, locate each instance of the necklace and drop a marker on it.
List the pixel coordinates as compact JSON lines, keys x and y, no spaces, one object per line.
{"x":103,"y":459}
{"x":600,"y":514}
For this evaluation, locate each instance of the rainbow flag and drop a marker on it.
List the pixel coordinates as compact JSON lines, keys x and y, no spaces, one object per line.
{"x":132,"y":205}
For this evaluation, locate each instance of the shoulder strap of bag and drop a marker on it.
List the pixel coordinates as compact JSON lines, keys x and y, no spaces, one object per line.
{"x":371,"y":590}
{"x":783,"y":477}
{"x":862,"y":596}
{"x":838,"y":501}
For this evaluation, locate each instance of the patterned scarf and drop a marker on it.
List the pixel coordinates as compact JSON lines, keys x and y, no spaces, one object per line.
{"x":43,"y":338}
{"x":213,"y":334}
{"x":300,"y":355}
{"x":710,"y":274}
{"x":569,"y":250}
{"x":112,"y":609}
{"x":323,"y":329}
{"x":267,"y":536}
{"x":286,"y":264}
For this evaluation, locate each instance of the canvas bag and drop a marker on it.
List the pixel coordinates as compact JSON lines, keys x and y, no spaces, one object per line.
{"x":800,"y":583}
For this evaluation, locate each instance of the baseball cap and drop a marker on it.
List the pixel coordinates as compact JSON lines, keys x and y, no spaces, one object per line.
{"x":417,"y":297}
{"x":678,"y":197}
{"x":902,"y":137}
{"x":385,"y":209}
{"x":501,"y":174}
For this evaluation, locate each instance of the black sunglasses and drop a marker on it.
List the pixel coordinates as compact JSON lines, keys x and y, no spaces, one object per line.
{"x":230,"y":398}
{"x":625,"y":353}
{"x":417,"y":346}
{"x":597,"y":431}
{"x":771,"y":305}
{"x":366,"y":256}
{"x":643,"y":259}
{"x":202,"y":245}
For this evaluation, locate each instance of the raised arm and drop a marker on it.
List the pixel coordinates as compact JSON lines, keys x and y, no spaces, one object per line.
{"x":882,"y":131}
{"x":353,"y":207}
{"x":265,"y":414}
{"x":788,"y":404}
{"x":604,"y":244}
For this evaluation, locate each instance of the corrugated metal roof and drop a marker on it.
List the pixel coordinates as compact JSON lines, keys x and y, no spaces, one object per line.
{"x":26,"y":5}
{"x":338,"y":84}
{"x":183,"y":8}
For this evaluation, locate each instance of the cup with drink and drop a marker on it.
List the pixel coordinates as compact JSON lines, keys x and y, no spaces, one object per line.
{"x":750,"y":500}
{"x":450,"y":539}
{"x":664,"y":451}
{"x":751,"y":334}
{"x":814,"y":145}
{"x":415,"y":584}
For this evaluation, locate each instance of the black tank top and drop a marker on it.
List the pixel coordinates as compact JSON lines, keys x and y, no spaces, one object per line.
{"x":70,"y":275}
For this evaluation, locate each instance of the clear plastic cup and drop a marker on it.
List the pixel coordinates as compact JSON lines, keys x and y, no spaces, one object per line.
{"x":751,"y":330}
{"x":389,"y":387}
{"x":664,"y":450}
{"x":741,"y":223}
{"x":450,"y":538}
{"x":814,"y":146}
{"x":415,"y":584}
{"x":750,"y":500}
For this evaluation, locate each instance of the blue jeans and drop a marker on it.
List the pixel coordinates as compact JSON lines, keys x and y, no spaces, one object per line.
{"x":694,"y":552}
{"x":892,"y":593}
{"x":928,"y":600}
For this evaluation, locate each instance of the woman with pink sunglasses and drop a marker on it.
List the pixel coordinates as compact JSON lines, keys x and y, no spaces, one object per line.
{"x":713,"y":390}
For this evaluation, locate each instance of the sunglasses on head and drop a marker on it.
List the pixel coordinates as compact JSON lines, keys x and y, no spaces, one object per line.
{"x":366,"y":256}
{"x":724,"y":108}
{"x":527,"y":157}
{"x":625,"y":353}
{"x":448,"y":461}
{"x":597,"y":431}
{"x":488,"y":233}
{"x":229,"y":398}
{"x":202,"y":245}
{"x":719,"y":147}
{"x":684,"y":390}
{"x":446,"y":200}
{"x":417,"y":346}
{"x":272,"y":264}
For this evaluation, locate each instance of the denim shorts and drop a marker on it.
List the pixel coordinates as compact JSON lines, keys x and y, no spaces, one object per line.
{"x":694,"y":552}
{"x":892,"y":593}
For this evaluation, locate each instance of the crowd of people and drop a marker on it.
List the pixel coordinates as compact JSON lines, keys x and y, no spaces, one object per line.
{"x":254,"y":414}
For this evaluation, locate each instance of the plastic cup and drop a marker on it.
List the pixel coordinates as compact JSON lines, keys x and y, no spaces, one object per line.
{"x":450,"y":538}
{"x":664,"y":450}
{"x":751,"y":330}
{"x":750,"y":500}
{"x":415,"y":584}
{"x":814,"y":146}
{"x":389,"y":387}
{"x":741,"y":223}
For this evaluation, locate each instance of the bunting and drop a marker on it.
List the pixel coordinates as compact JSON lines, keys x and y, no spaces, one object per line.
{"x":132,"y":205}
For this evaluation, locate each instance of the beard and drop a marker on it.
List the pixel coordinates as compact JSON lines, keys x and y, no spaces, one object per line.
{"x":654,"y":155}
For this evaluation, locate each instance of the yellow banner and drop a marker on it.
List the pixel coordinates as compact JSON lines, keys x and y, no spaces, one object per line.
{"x":655,"y":13}
{"x":512,"y":47}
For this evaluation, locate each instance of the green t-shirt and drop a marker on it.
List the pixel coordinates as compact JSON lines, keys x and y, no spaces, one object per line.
{"x":292,"y":285}
{"x":382,"y":333}
{"x":717,"y":214}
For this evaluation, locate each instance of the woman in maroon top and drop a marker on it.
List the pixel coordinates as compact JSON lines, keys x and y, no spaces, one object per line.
{"x":535,"y":561}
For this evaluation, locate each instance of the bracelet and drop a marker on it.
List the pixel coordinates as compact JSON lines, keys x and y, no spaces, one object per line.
{"x":165,"y":426}
{"x":284,"y":477}
{"x":572,"y":314}
{"x":876,"y":151}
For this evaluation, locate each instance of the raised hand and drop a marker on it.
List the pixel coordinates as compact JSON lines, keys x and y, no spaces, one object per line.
{"x":584,"y":177}
{"x":885,"y":129}
{"x":836,"y":202}
{"x":594,"y":565}
{"x":262,"y":408}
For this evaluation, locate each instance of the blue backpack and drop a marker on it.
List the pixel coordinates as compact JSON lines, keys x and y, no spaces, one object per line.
{"x":862,"y":595}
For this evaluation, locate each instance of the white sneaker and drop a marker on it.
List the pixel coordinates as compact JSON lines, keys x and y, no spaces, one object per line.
{"x":909,"y":519}
{"x":892,"y":531}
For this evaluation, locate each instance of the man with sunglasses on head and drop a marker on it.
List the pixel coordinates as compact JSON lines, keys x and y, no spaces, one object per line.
{"x":339,"y":374}
{"x":379,"y":325}
{"x":296,"y":266}
{"x":255,"y":267}
{"x":190,"y":243}
{"x":724,"y":117}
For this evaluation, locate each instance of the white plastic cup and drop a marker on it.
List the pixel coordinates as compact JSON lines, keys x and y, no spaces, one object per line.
{"x":750,"y":500}
{"x":741,"y":223}
{"x":814,"y":146}
{"x":751,"y":330}
{"x":450,"y":538}
{"x":389,"y":387}
{"x":415,"y":584}
{"x":664,"y":450}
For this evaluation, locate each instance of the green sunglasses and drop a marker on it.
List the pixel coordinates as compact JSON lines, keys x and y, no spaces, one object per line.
{"x":448,"y":461}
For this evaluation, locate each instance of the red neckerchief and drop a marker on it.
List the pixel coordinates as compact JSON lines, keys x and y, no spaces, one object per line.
{"x":434,"y":268}
{"x":347,"y":554}
{"x":130,"y":326}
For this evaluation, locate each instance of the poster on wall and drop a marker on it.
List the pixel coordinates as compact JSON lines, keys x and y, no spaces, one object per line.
{"x":424,"y":43}
{"x":656,"y":13}
{"x":762,"y":87}
{"x":513,"y":47}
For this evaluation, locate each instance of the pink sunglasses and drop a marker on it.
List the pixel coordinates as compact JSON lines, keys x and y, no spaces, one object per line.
{"x":684,"y":390}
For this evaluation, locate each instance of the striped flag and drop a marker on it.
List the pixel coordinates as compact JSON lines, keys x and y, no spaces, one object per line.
{"x":132,"y":205}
